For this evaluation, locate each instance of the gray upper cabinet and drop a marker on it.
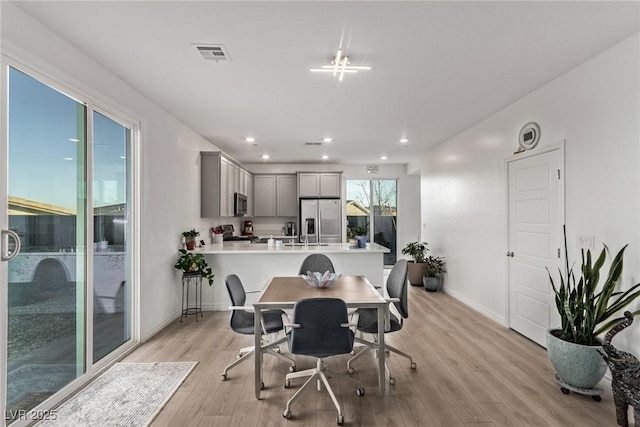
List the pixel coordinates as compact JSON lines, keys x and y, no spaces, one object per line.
{"x":264,"y":190}
{"x":324,"y":184}
{"x":275,"y":195}
{"x":286,"y":195}
{"x":220,"y":178}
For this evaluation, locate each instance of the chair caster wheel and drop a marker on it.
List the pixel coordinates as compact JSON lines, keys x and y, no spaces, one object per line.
{"x":413,"y":365}
{"x":340,"y":420}
{"x":353,"y":352}
{"x":286,"y":414}
{"x":287,"y":384}
{"x":360,"y":391}
{"x":239,"y":356}
{"x":392,"y":381}
{"x":564,"y":390}
{"x":261,"y":386}
{"x":223,"y":377}
{"x":350,"y":371}
{"x":292,"y":368}
{"x":277,"y":349}
{"x":596,"y":398}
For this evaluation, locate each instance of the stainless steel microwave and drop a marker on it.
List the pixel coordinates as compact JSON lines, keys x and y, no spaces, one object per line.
{"x":239,"y":204}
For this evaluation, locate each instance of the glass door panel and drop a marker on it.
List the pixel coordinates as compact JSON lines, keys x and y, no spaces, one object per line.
{"x":111,"y":289}
{"x":372,"y":211}
{"x":384,"y":198}
{"x":46,"y":207}
{"x":358,"y":207}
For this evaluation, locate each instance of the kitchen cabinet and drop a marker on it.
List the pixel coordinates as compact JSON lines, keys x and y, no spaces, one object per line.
{"x":220,"y":179}
{"x":274,"y":195}
{"x":324,"y":184}
{"x":264,"y":191}
{"x":286,"y":200}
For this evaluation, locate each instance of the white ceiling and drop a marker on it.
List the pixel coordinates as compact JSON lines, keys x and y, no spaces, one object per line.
{"x":437,"y":67}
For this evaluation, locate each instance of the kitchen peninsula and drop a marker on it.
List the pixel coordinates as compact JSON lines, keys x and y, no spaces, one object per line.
{"x":255,"y":264}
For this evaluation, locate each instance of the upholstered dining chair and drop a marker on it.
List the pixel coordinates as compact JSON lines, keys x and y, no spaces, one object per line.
{"x":320,"y":329}
{"x":368,"y":317}
{"x":242,"y":322}
{"x":316,"y":262}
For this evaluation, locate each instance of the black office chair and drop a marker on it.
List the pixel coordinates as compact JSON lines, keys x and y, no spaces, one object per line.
{"x":316,"y":262}
{"x":320,"y":329}
{"x":368,"y":317}
{"x":242,"y":322}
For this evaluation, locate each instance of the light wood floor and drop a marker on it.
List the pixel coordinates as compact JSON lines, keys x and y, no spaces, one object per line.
{"x":471,"y":371}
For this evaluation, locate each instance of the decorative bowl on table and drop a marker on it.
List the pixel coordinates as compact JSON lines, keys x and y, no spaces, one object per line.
{"x":320,"y":280}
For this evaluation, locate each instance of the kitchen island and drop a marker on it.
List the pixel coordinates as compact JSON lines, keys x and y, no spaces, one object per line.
{"x":255,"y":264}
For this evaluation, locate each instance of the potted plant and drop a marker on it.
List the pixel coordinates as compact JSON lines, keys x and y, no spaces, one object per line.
{"x":586,"y":310}
{"x":418,"y":252}
{"x":351,"y":238}
{"x":190,"y":238}
{"x":194,"y":264}
{"x":433,"y":269}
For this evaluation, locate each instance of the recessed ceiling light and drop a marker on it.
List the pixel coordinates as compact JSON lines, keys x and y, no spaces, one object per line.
{"x":383,"y":157}
{"x":74,"y":140}
{"x":404,"y":140}
{"x":327,"y":139}
{"x":265,"y":156}
{"x":325,"y":157}
{"x":68,"y":158}
{"x":250,"y":139}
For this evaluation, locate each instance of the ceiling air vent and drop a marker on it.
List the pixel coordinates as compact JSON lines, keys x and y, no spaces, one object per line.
{"x":312,"y":144}
{"x":372,"y":169}
{"x":213,"y":52}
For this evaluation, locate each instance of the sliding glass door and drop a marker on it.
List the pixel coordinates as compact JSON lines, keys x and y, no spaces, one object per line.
{"x":68,"y":200}
{"x":372,"y":211}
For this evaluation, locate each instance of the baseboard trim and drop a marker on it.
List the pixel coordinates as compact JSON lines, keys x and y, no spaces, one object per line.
{"x":160,"y":326}
{"x":480,"y":309}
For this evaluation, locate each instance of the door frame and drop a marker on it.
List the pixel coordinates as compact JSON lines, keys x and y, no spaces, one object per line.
{"x":560,"y":147}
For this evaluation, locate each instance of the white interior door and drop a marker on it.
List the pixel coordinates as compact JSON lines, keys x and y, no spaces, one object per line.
{"x":535,"y":218}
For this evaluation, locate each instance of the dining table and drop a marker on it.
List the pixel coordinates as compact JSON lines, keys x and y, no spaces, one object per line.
{"x":283,"y":293}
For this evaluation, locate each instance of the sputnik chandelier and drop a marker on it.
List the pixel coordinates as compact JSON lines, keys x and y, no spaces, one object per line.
{"x":339,"y":66}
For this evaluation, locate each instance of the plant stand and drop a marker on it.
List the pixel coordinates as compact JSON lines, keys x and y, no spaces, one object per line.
{"x":594,"y":392}
{"x":187,"y":281}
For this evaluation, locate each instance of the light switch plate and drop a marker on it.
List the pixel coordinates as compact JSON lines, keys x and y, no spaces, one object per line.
{"x":585,"y":242}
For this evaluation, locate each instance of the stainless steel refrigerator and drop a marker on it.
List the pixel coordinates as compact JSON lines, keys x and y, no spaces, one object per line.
{"x":321,"y":220}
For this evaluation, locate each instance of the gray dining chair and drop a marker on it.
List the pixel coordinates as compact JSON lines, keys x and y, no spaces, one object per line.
{"x":242,"y":322}
{"x":320,"y":329}
{"x":368,"y":317}
{"x":316,"y":263}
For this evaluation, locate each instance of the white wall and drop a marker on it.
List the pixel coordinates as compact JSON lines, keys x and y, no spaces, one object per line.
{"x":169,"y":153}
{"x":596,"y":109}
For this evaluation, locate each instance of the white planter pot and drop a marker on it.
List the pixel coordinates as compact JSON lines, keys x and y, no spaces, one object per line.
{"x":577,"y":365}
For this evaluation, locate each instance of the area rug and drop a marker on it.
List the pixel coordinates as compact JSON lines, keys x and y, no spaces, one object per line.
{"x":128,"y":394}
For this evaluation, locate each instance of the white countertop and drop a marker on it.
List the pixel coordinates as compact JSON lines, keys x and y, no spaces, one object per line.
{"x":262,"y":248}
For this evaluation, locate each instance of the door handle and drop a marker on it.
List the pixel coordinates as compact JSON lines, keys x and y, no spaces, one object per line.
{"x":5,"y":255}
{"x":510,"y":254}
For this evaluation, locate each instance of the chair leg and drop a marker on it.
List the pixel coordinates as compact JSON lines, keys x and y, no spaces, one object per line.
{"x":301,"y":389}
{"x":236,"y":363}
{"x":358,"y":355}
{"x":330,"y":391}
{"x":321,"y":375}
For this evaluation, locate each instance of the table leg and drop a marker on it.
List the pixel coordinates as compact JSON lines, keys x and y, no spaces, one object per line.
{"x":257,"y":354}
{"x":381,"y":350}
